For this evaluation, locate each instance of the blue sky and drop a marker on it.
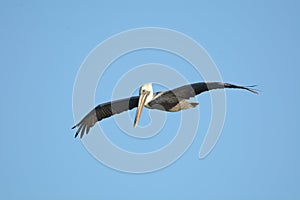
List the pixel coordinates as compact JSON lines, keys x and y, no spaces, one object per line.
{"x":254,"y":42}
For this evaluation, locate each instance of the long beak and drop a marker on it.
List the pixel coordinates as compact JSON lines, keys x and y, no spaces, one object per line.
{"x":141,"y":104}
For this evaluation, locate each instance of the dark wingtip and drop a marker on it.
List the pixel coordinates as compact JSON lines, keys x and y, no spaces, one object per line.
{"x":251,"y":89}
{"x":76,"y":131}
{"x":76,"y":134}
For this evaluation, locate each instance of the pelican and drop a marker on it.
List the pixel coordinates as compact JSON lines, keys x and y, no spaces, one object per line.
{"x":170,"y":101}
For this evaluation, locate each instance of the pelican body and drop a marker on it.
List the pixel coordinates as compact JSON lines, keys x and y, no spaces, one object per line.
{"x":170,"y":101}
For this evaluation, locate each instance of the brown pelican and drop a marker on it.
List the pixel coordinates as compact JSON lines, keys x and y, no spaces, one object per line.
{"x":171,"y":101}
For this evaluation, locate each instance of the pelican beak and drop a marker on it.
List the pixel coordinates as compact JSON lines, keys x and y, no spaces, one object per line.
{"x":141,"y":104}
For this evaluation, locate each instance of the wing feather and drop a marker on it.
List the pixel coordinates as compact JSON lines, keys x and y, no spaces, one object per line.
{"x":103,"y":111}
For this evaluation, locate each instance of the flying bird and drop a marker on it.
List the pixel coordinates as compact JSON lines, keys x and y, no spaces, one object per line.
{"x":170,"y":101}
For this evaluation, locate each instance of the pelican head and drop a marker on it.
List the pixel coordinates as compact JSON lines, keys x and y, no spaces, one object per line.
{"x":146,"y":95}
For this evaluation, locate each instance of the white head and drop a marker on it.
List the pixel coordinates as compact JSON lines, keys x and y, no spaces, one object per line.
{"x":147,"y":90}
{"x":146,"y":95}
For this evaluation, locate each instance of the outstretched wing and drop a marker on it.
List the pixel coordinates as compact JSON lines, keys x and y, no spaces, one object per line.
{"x":170,"y":98}
{"x":104,"y":111}
{"x":188,"y":91}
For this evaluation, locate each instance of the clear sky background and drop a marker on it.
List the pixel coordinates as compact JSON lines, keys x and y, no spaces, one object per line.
{"x":43,"y":45}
